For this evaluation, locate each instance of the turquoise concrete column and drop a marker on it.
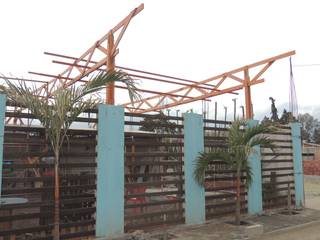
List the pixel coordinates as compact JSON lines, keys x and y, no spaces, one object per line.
{"x":2,"y":119}
{"x":297,"y":164}
{"x":193,"y":144}
{"x":255,"y":189}
{"x":110,"y":172}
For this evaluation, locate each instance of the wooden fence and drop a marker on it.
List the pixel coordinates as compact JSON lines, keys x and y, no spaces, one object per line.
{"x":277,"y":170}
{"x":220,"y":181}
{"x":154,"y":176}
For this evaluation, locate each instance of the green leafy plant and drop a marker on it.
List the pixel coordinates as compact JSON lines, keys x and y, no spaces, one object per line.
{"x":58,"y":113}
{"x":240,"y":144}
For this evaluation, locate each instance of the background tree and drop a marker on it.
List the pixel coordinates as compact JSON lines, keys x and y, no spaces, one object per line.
{"x":240,"y":145}
{"x":316,"y":135}
{"x":309,"y":124}
{"x":62,"y":110}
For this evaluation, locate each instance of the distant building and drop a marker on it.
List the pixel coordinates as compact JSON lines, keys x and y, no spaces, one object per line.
{"x":311,"y":151}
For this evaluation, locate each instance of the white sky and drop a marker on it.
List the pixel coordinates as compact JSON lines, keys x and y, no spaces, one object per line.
{"x":191,"y":39}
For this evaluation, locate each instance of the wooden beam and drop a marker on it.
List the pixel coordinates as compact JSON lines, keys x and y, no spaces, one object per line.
{"x":87,"y":55}
{"x":110,"y":68}
{"x":221,"y":78}
{"x":247,"y":93}
{"x":201,"y":97}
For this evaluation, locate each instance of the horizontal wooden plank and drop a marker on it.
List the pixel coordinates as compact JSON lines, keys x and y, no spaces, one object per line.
{"x":46,"y":165}
{"x":154,"y":203}
{"x":156,"y":163}
{"x":47,"y":179}
{"x":154,"y":224}
{"x":147,"y":175}
{"x":149,"y":184}
{"x":7,"y":191}
{"x":222,"y":204}
{"x":154,"y":194}
{"x":153,"y":214}
{"x":223,"y":196}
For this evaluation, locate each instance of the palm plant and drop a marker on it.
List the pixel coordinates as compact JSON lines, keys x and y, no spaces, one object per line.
{"x":240,"y":144}
{"x":61,"y":111}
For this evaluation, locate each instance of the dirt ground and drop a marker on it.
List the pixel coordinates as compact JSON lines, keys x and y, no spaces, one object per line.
{"x":312,"y":191}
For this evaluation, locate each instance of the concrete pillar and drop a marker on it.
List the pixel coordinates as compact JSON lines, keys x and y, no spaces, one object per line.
{"x":193,"y":144}
{"x":110,"y":172}
{"x":255,"y":189}
{"x":297,"y":164}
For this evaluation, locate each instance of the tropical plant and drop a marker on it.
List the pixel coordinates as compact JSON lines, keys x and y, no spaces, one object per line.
{"x":240,"y":144}
{"x":159,"y":123}
{"x":57,"y":115}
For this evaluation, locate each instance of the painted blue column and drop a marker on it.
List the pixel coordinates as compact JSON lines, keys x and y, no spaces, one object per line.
{"x":255,"y":189}
{"x":110,"y":172}
{"x":297,"y":164}
{"x":2,"y":120}
{"x":193,"y":144}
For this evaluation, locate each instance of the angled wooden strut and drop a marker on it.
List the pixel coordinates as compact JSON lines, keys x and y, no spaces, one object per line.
{"x":223,"y":83}
{"x":74,"y":73}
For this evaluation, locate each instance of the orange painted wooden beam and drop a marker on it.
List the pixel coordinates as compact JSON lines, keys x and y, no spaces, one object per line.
{"x":78,"y":73}
{"x":220,"y":88}
{"x":110,"y":68}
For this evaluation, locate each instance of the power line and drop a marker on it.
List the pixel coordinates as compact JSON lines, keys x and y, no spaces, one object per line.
{"x":307,"y":65}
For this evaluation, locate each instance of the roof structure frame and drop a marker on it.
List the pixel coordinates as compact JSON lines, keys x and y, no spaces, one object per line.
{"x":189,"y":91}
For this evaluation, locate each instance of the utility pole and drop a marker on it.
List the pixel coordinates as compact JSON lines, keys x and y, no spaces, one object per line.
{"x":242,"y":107}
{"x":234,"y":109}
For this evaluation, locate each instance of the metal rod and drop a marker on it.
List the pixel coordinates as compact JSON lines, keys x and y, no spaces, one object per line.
{"x":131,"y":69}
{"x":225,"y":115}
{"x":117,"y":86}
{"x":23,"y":79}
{"x":234,"y":108}
{"x":136,"y":76}
{"x":242,"y":107}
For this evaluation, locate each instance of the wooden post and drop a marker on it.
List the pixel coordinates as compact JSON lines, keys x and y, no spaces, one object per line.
{"x":110,"y":68}
{"x":247,"y":92}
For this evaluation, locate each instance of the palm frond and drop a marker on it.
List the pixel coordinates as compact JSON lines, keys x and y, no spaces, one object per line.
{"x":249,"y":133}
{"x":203,"y":161}
{"x":99,"y":82}
{"x":262,"y":140}
{"x":235,"y":133}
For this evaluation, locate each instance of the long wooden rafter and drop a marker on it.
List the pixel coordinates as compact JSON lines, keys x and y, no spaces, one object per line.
{"x":235,"y":83}
{"x":74,"y":72}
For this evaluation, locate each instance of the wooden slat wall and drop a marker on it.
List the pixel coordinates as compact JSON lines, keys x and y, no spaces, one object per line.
{"x":220,"y":181}
{"x":33,"y":182}
{"x":277,"y":170}
{"x":154,"y":177}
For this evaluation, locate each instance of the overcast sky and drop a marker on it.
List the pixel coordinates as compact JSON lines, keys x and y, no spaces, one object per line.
{"x":191,"y":39}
